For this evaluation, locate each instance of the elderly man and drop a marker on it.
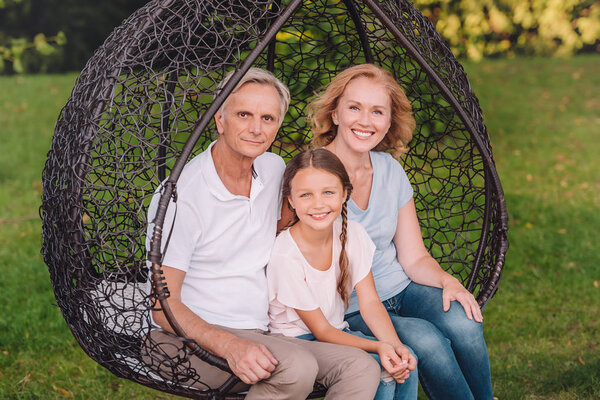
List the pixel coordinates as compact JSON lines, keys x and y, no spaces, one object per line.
{"x":225,"y":223}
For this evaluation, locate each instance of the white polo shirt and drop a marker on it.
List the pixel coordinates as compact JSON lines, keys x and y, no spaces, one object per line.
{"x":223,"y":241}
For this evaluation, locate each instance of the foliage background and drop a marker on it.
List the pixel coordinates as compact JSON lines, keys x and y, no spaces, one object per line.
{"x":543,"y":118}
{"x":60,"y":35}
{"x":56,"y":35}
{"x":478,"y":28}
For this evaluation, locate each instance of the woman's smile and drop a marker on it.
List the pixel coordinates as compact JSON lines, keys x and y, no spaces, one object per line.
{"x":363,"y":134}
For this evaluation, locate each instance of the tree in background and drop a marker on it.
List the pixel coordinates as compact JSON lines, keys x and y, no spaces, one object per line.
{"x":79,"y":27}
{"x":14,"y":48}
{"x":478,"y":28}
{"x":73,"y":29}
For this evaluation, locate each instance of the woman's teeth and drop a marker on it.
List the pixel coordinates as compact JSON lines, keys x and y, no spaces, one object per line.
{"x":361,"y":133}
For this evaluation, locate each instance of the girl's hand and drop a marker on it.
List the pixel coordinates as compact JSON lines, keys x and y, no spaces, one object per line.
{"x":406,"y":355}
{"x":453,"y":290}
{"x":391,"y":361}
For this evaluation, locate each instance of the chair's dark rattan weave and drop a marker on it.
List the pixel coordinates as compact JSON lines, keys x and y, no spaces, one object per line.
{"x":144,"y":104}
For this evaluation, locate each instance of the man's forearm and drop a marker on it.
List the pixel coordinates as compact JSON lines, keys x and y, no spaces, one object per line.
{"x":208,"y":336}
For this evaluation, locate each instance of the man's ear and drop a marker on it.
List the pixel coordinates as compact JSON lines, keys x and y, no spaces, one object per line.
{"x":219,"y":122}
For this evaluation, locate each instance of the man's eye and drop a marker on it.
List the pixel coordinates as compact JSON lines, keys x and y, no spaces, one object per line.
{"x":243,"y":114}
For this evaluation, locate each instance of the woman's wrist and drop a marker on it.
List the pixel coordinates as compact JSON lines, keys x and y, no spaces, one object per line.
{"x":448,"y":279}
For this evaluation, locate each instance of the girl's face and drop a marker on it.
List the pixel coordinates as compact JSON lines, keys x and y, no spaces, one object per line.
{"x":317,"y":196}
{"x":363,"y":115}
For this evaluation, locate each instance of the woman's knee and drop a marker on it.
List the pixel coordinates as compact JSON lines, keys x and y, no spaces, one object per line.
{"x":430,"y":348}
{"x":459,"y":328}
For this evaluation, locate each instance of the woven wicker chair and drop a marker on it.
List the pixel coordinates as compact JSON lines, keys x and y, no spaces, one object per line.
{"x":144,"y":104}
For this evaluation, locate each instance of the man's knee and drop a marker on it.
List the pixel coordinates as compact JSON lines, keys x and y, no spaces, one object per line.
{"x":299,"y":371}
{"x":361,"y":365}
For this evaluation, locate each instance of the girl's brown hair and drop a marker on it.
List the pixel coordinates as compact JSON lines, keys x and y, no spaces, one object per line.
{"x":403,"y":123}
{"x":327,"y":161}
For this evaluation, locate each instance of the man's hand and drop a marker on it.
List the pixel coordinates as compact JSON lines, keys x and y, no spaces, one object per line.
{"x":454,"y":290}
{"x":249,"y":361}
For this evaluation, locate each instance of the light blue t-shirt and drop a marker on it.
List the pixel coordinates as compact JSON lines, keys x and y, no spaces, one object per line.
{"x":390,"y":191}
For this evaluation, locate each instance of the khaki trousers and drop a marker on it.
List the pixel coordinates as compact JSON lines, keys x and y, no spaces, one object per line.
{"x":347,"y":372}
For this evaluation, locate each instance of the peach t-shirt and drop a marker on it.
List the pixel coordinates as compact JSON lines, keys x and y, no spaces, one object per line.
{"x":295,"y":284}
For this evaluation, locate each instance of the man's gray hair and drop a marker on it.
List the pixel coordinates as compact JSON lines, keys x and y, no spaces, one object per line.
{"x":259,"y":75}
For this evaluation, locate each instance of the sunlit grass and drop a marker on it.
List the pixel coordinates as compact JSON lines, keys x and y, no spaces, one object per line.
{"x":543,"y":116}
{"x":544,"y":121}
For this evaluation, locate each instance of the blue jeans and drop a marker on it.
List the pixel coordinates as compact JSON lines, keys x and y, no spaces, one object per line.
{"x":386,"y":390}
{"x":452,"y":354}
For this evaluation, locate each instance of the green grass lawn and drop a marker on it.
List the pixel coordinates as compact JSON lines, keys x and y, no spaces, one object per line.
{"x":542,"y":327}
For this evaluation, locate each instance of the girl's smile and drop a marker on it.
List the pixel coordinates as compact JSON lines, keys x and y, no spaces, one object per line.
{"x":319,"y":216}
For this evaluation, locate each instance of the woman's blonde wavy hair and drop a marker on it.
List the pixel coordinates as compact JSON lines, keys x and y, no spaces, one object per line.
{"x":322,"y":107}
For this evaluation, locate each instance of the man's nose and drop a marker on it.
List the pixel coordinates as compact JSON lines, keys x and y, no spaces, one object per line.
{"x":255,"y":126}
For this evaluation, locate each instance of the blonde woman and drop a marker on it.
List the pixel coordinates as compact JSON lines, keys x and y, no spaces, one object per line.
{"x":362,"y":114}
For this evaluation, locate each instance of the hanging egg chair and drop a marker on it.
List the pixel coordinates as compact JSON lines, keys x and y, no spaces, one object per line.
{"x":144,"y":105}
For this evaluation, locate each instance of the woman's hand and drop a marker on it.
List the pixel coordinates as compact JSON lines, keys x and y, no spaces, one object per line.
{"x":453,"y":290}
{"x":394,"y":361}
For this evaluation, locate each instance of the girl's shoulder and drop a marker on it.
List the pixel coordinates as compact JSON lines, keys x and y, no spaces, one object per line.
{"x":354,"y":226}
{"x":283,"y":242}
{"x":357,"y":233}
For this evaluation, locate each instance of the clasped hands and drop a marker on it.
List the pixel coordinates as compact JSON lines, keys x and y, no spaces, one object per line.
{"x":397,"y":360}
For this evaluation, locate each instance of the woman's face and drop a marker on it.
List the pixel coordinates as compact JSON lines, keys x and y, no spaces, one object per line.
{"x":363,"y":115}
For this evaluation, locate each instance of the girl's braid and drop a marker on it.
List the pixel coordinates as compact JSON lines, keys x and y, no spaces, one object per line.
{"x":343,"y":283}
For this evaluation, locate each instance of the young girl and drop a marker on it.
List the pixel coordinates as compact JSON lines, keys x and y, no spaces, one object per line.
{"x":317,"y":262}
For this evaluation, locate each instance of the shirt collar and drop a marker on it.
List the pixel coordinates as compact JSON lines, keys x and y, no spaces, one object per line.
{"x":216,"y":186}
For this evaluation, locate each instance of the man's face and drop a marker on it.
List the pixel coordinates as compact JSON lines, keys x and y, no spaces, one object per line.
{"x":250,"y":120}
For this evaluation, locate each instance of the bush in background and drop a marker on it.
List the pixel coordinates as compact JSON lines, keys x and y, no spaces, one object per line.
{"x":13,"y":50}
{"x":72,"y":29}
{"x":479,"y":28}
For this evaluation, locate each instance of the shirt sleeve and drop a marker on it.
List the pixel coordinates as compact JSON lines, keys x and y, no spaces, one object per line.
{"x":360,"y":250}
{"x":287,"y":280}
{"x":405,"y":189}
